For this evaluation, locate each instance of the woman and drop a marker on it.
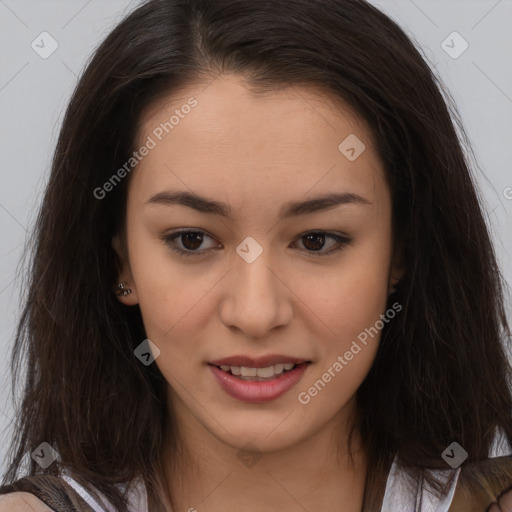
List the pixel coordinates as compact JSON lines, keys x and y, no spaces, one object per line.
{"x":262,"y":277}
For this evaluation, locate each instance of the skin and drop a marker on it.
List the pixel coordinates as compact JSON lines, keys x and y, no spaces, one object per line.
{"x":258,"y":152}
{"x":504,"y":503}
{"x":22,"y":502}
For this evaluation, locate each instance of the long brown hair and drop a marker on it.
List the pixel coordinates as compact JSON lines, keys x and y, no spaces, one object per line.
{"x":441,"y":373}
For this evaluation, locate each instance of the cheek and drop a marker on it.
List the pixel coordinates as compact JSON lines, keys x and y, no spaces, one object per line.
{"x":347,"y":353}
{"x":350,"y":302}
{"x":170,"y":297}
{"x":352,"y":295}
{"x":166,"y":288}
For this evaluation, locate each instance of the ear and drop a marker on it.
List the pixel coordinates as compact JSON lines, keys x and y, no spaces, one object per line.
{"x":394,"y":279}
{"x":397,"y":271}
{"x":124,"y":271}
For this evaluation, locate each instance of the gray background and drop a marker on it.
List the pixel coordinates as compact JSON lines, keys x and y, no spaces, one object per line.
{"x":34,"y":93}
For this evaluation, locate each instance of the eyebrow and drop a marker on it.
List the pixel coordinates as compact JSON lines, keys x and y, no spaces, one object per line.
{"x":205,"y":205}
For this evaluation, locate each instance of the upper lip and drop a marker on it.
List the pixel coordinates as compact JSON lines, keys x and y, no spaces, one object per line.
{"x":257,"y":362}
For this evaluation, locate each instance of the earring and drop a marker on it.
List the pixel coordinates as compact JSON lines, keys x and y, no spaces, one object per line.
{"x":122,"y":290}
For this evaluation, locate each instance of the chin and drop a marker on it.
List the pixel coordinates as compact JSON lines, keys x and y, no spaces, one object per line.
{"x":265,"y":434}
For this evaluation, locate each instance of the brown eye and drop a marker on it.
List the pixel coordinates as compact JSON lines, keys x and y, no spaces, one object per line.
{"x":314,"y":242}
{"x":191,"y":241}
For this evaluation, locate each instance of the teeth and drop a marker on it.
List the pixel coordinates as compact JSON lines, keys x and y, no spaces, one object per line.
{"x":248,"y":372}
{"x":267,"y":372}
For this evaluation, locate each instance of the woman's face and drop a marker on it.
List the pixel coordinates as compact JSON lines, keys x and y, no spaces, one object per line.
{"x":265,"y":183}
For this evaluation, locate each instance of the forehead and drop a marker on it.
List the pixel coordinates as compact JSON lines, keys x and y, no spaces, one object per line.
{"x":237,"y":143}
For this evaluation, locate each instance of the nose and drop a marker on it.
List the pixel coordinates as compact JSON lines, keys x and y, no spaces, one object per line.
{"x":257,"y":298}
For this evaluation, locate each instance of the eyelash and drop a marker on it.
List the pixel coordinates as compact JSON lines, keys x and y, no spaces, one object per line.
{"x":341,"y":240}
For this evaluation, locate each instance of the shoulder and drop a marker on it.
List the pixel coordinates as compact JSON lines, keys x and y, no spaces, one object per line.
{"x":22,"y":502}
{"x":483,"y":484}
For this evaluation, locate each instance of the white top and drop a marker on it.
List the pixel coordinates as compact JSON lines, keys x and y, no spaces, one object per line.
{"x":137,"y":496}
{"x":399,"y":496}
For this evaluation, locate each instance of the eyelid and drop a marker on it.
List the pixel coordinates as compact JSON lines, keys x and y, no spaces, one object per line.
{"x":341,"y":239}
{"x":171,"y":237}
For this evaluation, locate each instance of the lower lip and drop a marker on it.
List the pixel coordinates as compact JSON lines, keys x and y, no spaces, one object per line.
{"x":258,"y":391}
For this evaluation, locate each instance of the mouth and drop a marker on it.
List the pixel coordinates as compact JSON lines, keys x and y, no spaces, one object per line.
{"x":252,"y":374}
{"x":258,"y":380}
